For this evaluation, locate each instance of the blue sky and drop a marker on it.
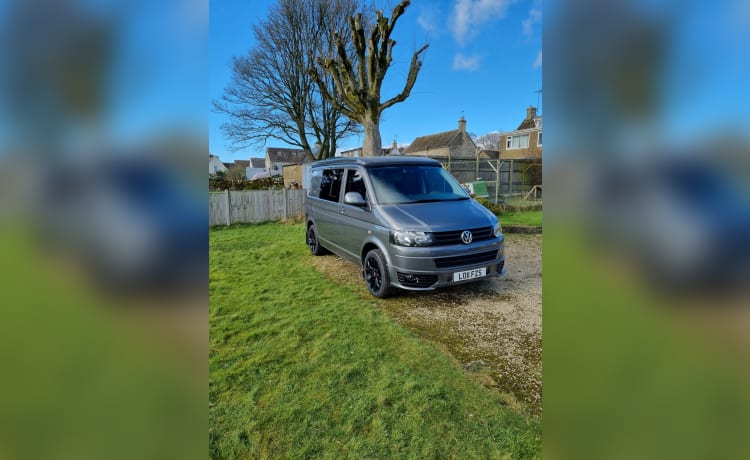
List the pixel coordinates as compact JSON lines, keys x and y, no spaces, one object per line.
{"x":484,"y":61}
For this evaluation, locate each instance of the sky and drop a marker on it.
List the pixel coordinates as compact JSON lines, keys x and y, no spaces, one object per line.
{"x":484,"y":62}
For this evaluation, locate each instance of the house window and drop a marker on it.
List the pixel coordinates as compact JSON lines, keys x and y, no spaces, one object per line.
{"x":539,"y":139}
{"x":520,"y":141}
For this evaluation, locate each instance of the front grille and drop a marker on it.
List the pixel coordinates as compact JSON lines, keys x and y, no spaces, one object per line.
{"x":470,"y":259}
{"x":416,"y":280}
{"x":454,"y":236}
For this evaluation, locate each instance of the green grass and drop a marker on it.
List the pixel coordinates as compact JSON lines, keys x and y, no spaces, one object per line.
{"x":303,"y":367}
{"x":521,"y":218}
{"x":518,"y":212}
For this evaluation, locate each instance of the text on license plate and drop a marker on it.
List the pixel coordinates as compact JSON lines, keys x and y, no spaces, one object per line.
{"x":470,"y":274}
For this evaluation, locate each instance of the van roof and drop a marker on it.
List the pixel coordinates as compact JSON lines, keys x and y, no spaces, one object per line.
{"x":377,"y":161}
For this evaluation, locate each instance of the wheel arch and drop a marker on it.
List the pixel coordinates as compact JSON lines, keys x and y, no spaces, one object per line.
{"x":370,"y":244}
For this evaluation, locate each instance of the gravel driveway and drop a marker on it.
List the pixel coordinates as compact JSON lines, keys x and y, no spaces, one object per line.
{"x":493,"y":327}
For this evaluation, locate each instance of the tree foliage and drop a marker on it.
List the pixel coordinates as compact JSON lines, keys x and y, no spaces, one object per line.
{"x":358,"y":74}
{"x":271,"y":94}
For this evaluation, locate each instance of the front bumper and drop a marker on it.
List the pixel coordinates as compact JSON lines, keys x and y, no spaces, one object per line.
{"x":428,"y":268}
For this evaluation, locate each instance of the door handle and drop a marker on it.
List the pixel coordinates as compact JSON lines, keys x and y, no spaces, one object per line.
{"x":341,"y":211}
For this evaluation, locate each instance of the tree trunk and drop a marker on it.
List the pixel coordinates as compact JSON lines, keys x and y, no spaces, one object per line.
{"x":372,"y":144}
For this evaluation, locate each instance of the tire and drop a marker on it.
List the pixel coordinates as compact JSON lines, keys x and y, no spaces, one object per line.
{"x":375,"y":272}
{"x":313,"y":243}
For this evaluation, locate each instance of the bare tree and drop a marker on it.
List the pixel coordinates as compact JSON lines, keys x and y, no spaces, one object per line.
{"x":489,"y":141}
{"x":272,"y":95}
{"x":358,"y":78}
{"x":235,"y":173}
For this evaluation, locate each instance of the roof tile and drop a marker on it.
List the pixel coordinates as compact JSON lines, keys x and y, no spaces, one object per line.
{"x":433,"y":141}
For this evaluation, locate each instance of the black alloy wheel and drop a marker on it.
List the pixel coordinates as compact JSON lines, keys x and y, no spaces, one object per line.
{"x":312,"y":242}
{"x":376,"y":274}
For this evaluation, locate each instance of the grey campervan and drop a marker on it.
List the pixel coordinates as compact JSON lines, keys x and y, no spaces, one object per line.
{"x":406,"y":221}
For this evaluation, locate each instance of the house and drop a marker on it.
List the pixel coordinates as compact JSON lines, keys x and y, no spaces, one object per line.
{"x":522,"y":149}
{"x":351,"y":153}
{"x":257,"y":165}
{"x":215,"y":166}
{"x":277,"y":158}
{"x":455,"y":149}
{"x":394,"y":149}
{"x":525,"y":143}
{"x":446,"y":146}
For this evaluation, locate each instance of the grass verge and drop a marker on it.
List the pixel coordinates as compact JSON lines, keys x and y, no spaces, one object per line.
{"x":300,"y":366}
{"x":533,"y":218}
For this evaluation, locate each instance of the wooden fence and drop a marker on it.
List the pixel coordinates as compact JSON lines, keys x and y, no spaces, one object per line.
{"x":255,"y":206}
{"x":504,"y":178}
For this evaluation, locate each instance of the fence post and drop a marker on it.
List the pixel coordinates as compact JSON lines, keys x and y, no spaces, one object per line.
{"x":286,"y":206}
{"x":269,"y":200}
{"x":497,"y":181}
{"x":229,"y":208}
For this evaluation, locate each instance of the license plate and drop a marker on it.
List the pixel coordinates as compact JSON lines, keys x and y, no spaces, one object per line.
{"x":470,"y":274}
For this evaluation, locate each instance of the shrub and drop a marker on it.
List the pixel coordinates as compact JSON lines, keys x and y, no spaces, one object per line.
{"x":496,"y":209}
{"x":216,"y":183}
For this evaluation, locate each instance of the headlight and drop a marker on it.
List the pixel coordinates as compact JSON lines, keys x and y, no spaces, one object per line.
{"x":498,"y":229}
{"x":408,"y":238}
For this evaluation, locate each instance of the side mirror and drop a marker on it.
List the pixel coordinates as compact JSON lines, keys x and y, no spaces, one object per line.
{"x":355,"y":199}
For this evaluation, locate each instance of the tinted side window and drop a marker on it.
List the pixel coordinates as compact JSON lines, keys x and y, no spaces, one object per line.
{"x":355,"y":183}
{"x":330,"y":184}
{"x":315,"y":180}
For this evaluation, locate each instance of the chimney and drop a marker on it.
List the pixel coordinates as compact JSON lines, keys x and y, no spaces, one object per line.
{"x":462,"y":124}
{"x":530,"y":112}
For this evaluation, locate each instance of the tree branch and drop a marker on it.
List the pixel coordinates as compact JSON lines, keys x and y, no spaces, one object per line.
{"x":414,"y":67}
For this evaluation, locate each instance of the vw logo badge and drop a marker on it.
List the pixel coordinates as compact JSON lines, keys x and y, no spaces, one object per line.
{"x":466,"y":237}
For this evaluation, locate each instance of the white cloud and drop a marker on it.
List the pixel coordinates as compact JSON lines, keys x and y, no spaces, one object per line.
{"x":470,"y":14}
{"x":461,"y":62}
{"x":428,"y":20}
{"x":535,"y":17}
{"x":538,"y":61}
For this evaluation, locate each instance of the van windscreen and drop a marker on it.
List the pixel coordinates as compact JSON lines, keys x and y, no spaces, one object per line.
{"x":414,"y":184}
